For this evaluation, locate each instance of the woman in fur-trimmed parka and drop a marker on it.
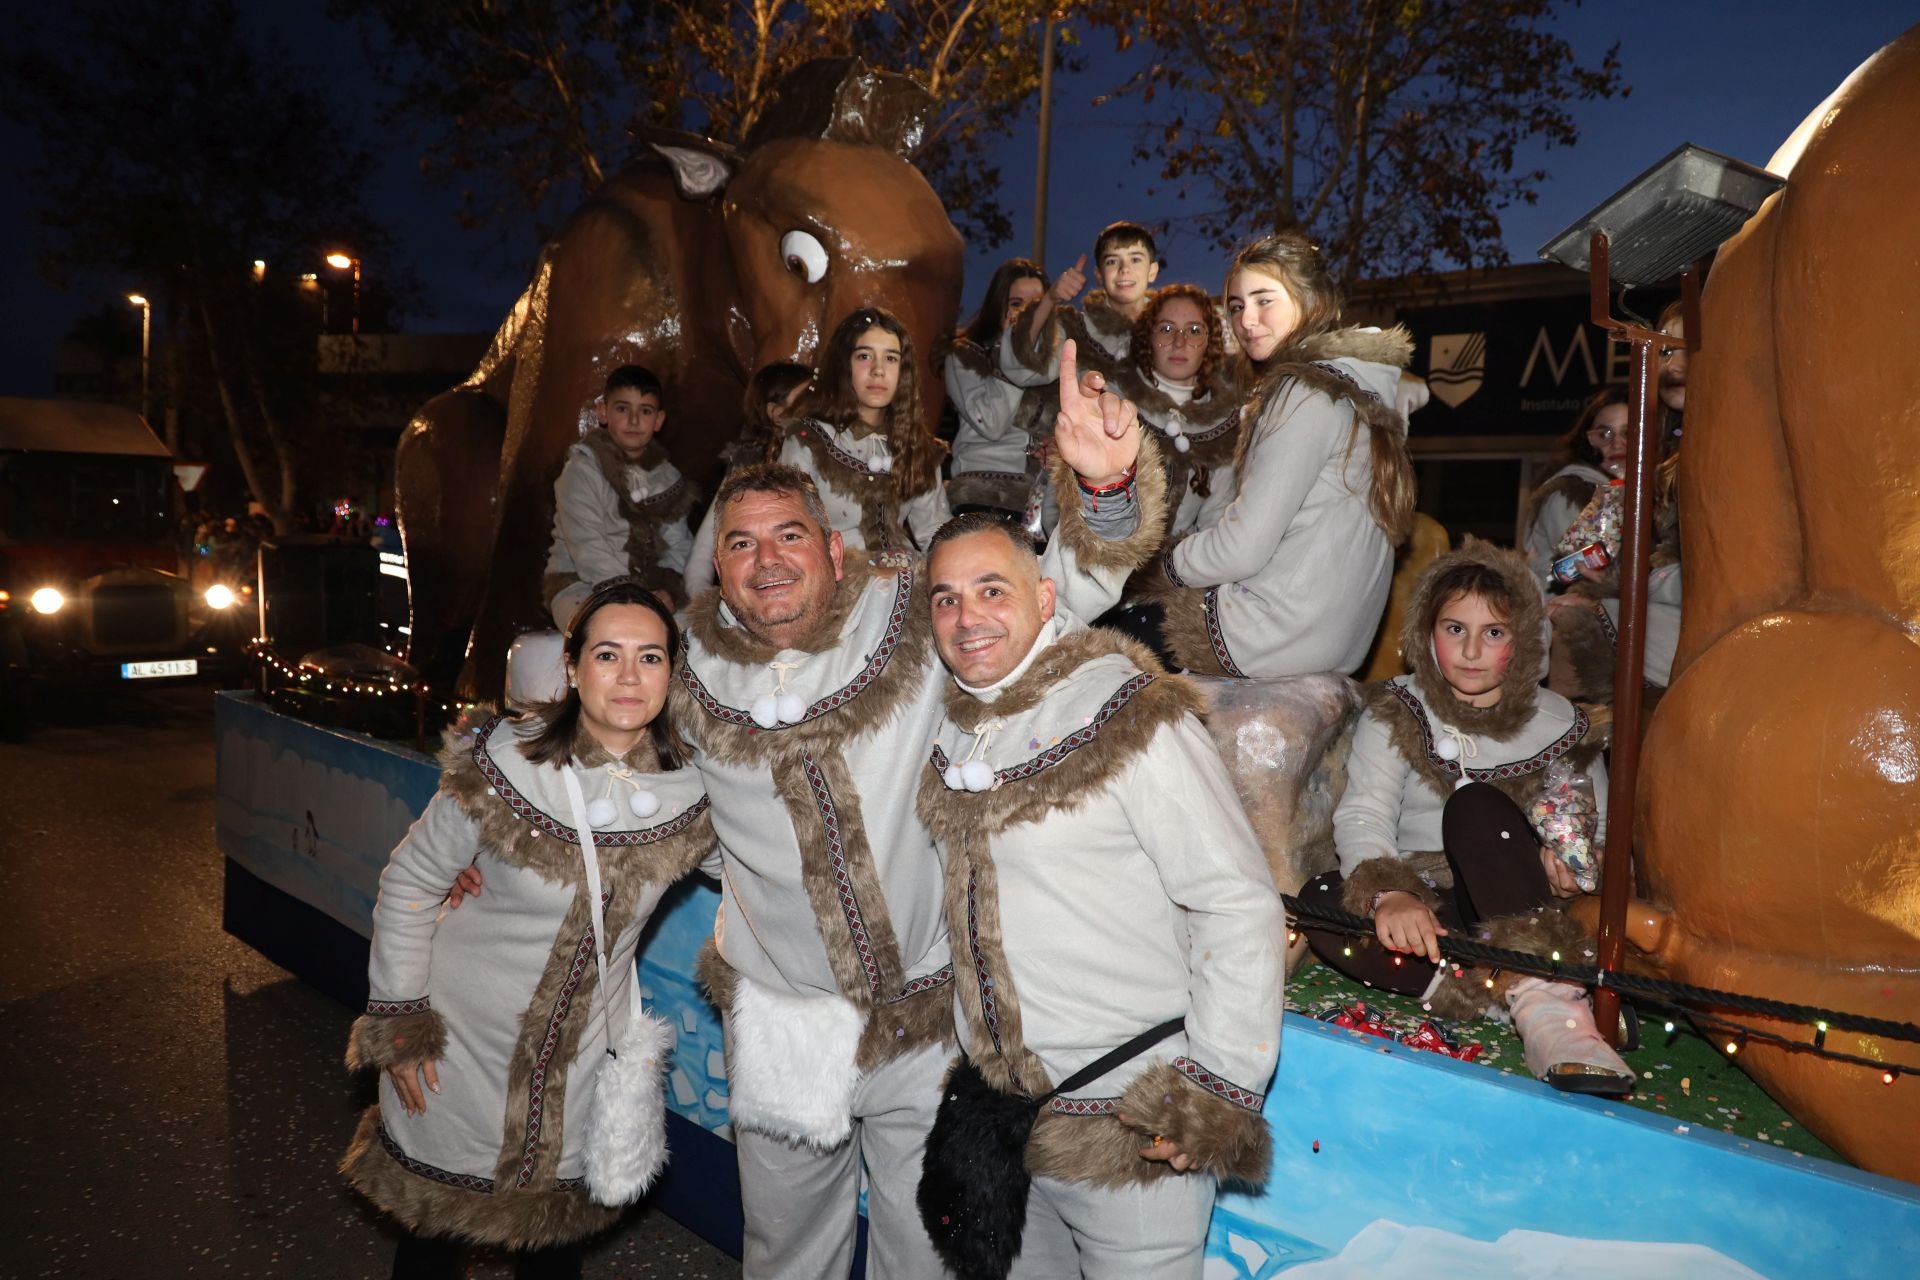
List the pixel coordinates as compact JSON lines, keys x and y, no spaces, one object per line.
{"x":1102,"y":879}
{"x":995,"y":463}
{"x":489,"y":1025}
{"x":1433,"y":831}
{"x":1181,"y":377}
{"x":860,"y":439}
{"x":1293,"y":575}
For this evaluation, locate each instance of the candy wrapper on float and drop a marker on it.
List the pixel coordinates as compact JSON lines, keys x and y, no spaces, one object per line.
{"x":1567,"y":821}
{"x":1599,"y":521}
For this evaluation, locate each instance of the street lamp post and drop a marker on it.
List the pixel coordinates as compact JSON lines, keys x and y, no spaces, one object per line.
{"x":348,"y":262}
{"x":146,"y":336}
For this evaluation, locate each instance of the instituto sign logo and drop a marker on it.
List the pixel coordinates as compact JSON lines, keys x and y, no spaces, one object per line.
{"x":1457,"y":365}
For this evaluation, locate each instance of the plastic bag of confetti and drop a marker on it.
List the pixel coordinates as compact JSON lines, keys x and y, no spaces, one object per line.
{"x":1567,"y":821}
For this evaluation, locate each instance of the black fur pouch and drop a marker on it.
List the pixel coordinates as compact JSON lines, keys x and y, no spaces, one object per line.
{"x":973,"y":1180}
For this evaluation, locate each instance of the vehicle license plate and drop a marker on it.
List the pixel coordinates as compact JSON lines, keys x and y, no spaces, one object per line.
{"x":148,"y":670}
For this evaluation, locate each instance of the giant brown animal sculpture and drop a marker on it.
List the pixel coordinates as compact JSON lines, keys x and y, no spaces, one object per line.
{"x":704,"y":264}
{"x":1781,"y":778}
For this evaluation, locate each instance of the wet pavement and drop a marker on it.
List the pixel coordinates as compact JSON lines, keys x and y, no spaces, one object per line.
{"x":175,"y":1103}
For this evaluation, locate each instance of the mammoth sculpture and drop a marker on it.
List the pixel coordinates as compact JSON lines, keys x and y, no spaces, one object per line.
{"x":1780,"y":799}
{"x":702,"y":263}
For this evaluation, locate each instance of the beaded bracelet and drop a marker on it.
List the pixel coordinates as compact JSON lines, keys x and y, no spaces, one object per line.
{"x":1123,"y":485}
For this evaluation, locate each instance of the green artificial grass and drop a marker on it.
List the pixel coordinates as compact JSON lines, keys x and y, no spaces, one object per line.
{"x":1682,"y":1075}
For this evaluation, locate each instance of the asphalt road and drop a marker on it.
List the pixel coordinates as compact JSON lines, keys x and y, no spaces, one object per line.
{"x":175,"y":1104}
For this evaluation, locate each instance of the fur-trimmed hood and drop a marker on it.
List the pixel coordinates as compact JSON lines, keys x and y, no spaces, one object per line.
{"x":1519,"y":690}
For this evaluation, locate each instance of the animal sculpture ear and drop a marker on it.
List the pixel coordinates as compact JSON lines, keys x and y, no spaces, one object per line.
{"x":698,"y":174}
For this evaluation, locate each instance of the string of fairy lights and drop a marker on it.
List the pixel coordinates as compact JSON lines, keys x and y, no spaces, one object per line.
{"x":1675,"y":999}
{"x":313,"y":679}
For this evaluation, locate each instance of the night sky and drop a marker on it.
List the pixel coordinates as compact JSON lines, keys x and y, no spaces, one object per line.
{"x":1735,"y":77}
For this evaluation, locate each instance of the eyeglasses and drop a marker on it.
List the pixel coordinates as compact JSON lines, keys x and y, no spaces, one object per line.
{"x":1174,"y":334}
{"x":1606,"y":435}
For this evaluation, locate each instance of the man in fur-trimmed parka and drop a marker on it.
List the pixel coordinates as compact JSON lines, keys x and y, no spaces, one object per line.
{"x":1101,"y":879}
{"x":811,"y":689}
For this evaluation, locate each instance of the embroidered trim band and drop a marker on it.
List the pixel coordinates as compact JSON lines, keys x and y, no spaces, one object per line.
{"x":842,"y":882}
{"x":1219,"y":1087}
{"x":537,"y":1086}
{"x":398,"y":1008}
{"x":540,"y":820}
{"x":1210,"y":609}
{"x":1060,"y":750}
{"x":1517,"y":769}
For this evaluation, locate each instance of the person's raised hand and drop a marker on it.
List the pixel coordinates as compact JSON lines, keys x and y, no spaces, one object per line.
{"x":1071,"y":282}
{"x":1097,"y":433}
{"x":1404,"y":923}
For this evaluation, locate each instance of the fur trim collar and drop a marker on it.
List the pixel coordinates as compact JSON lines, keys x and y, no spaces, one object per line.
{"x":1411,"y":731}
{"x":732,"y":642}
{"x":1073,"y":648}
{"x":1520,"y":687}
{"x":1130,"y":700}
{"x":644,"y":518}
{"x":974,"y":358}
{"x":1309,"y":364}
{"x":1209,"y":422}
{"x":519,"y":806}
{"x":1103,"y":317}
{"x":869,"y":660}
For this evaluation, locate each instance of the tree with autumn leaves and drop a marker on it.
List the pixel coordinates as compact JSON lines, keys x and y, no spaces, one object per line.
{"x":530,"y":104}
{"x":1388,"y":128}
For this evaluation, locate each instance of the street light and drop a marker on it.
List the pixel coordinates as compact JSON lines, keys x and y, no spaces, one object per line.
{"x":343,"y":262}
{"x":146,"y":335}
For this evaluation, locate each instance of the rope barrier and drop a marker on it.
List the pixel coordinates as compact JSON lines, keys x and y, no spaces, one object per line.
{"x":1657,"y":990}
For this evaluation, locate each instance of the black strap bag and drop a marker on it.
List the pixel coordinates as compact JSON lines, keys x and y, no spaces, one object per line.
{"x":974,"y":1180}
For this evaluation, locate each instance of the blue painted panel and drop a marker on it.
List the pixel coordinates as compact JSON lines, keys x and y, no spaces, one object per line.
{"x":314,"y":812}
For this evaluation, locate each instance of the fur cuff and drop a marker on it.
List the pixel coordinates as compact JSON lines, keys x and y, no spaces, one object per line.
{"x":380,"y":1041}
{"x":1033,"y":343}
{"x":1380,"y":875}
{"x":1227,"y":1139}
{"x":1585,"y":654}
{"x":1539,"y":933}
{"x":1093,"y":552}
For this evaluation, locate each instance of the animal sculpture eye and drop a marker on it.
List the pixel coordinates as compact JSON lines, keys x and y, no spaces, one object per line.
{"x":805,"y":256}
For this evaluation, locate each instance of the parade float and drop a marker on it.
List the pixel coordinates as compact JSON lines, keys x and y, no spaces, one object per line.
{"x":1779,"y":782}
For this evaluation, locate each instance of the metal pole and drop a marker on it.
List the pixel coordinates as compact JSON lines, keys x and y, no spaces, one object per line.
{"x":1636,"y":538}
{"x":146,"y":334}
{"x":356,"y":297}
{"x":1046,"y":135}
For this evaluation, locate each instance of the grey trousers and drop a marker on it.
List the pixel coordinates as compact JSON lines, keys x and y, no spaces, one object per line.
{"x":1152,"y":1232}
{"x":802,"y":1206}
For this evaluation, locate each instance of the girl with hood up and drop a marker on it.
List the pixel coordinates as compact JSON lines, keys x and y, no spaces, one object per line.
{"x":1433,"y":832}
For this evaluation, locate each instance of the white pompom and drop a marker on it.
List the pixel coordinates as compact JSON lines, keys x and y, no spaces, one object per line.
{"x":954,"y":778}
{"x":789,"y":708}
{"x":601,"y":812}
{"x":644,"y":804}
{"x":977,"y":775}
{"x":765,"y":711}
{"x":1181,"y":444}
{"x":879,"y":466}
{"x":1447,"y":749}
